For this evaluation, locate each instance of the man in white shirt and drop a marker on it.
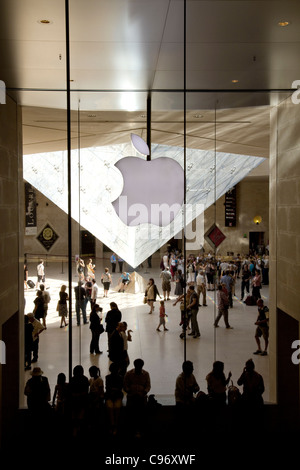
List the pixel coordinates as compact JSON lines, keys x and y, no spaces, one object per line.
{"x":40,"y":273}
{"x":94,"y":292}
{"x":201,"y":287}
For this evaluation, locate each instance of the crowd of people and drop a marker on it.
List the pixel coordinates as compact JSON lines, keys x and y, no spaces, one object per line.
{"x":89,"y":403}
{"x":85,"y":401}
{"x":202,"y":274}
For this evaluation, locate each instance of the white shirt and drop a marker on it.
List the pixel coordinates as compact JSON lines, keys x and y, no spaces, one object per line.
{"x":200,"y":279}
{"x":94,"y":291}
{"x":40,"y":269}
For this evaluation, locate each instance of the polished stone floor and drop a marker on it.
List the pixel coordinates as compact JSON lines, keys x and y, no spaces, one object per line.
{"x":162,"y":352}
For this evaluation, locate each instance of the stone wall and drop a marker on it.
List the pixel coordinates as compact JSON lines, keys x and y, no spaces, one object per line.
{"x":11,"y":285}
{"x":284,"y":244}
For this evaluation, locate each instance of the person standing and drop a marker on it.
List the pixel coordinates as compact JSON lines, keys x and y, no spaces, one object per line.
{"x":120,"y":263}
{"x":62,"y":306}
{"x":137,"y":385}
{"x":256,"y":285}
{"x":162,"y":316}
{"x":166,"y":277}
{"x":90,"y":270}
{"x":193,"y":307}
{"x":25,"y":274}
{"x":179,"y":282}
{"x":265,"y":270}
{"x":186,"y":386}
{"x":80,"y":269}
{"x":96,"y":328}
{"x":80,"y":302}
{"x":113,"y":262}
{"x":223,"y":303}
{"x":37,"y":330}
{"x":246,"y":275}
{"x":94,"y":295}
{"x":151,"y":293}
{"x":88,"y":293}
{"x":228,"y":281}
{"x":113,"y":317}
{"x":113,"y":396}
{"x":253,"y":386}
{"x":126,"y":335}
{"x":106,"y":281}
{"x":40,"y":273}
{"x":47,"y":298}
{"x":38,"y":393}
{"x":28,"y":340}
{"x":217,"y":383}
{"x":38,"y":310}
{"x":201,"y":287}
{"x":262,"y":327}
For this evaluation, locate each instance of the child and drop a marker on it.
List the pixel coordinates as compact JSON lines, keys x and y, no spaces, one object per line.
{"x":162,"y":316}
{"x":60,"y":394}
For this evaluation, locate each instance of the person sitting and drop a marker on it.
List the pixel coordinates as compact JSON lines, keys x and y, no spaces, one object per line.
{"x":125,"y":279}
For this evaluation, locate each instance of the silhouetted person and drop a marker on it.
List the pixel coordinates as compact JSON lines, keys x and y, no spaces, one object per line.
{"x":186,"y":385}
{"x":37,"y":391}
{"x":113,"y":317}
{"x":217,"y":383}
{"x":96,"y":328}
{"x":253,"y":385}
{"x":113,"y":397}
{"x":28,"y":340}
{"x":78,"y":396}
{"x":137,"y":385}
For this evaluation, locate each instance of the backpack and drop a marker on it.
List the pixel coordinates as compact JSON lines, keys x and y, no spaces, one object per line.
{"x":250,"y":300}
{"x":233,"y":394}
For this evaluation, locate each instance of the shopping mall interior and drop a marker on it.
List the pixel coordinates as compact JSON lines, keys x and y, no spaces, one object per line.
{"x":93,"y":92}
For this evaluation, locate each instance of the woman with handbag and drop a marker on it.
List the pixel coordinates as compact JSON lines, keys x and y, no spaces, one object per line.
{"x":96,"y":328}
{"x":62,"y":306}
{"x":151,"y":293}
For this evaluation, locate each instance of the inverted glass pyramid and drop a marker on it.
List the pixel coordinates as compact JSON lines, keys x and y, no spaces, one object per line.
{"x":97,"y":183}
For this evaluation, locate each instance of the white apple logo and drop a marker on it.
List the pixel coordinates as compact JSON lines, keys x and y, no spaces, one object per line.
{"x":153,"y":191}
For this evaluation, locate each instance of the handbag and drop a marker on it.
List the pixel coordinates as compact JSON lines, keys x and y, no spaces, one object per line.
{"x":145,"y":299}
{"x":57,"y":306}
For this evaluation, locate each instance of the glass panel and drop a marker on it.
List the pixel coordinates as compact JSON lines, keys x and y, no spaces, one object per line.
{"x":226,"y":143}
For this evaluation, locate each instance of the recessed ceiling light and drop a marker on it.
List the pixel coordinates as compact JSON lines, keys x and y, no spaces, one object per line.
{"x":234,"y":81}
{"x":198,"y":116}
{"x":44,"y":21}
{"x":91,"y":115}
{"x":283,"y":23}
{"x":143,"y":115}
